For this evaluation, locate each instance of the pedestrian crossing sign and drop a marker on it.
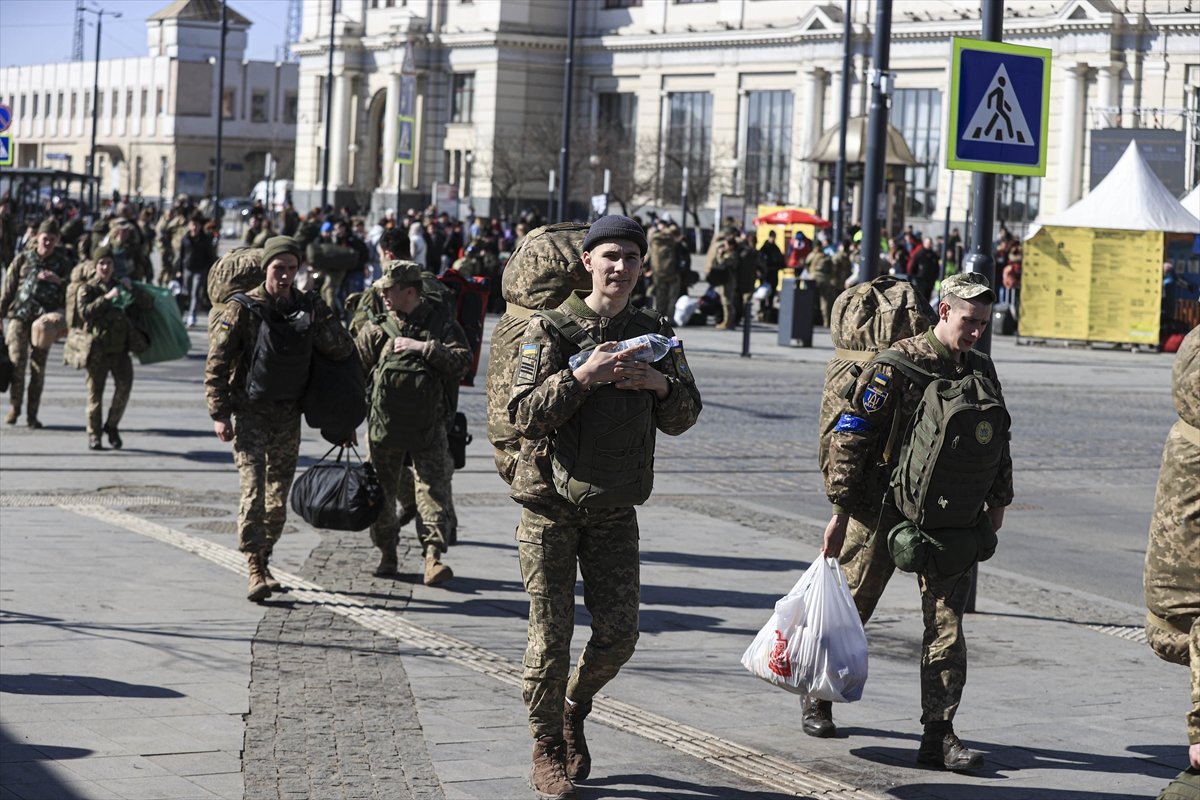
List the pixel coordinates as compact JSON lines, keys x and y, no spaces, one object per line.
{"x":999,"y":108}
{"x":6,"y":150}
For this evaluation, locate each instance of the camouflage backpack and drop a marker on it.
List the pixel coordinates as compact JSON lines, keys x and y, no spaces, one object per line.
{"x":867,"y":319}
{"x":78,"y":345}
{"x":540,"y":275}
{"x":238,"y":271}
{"x":407,"y":396}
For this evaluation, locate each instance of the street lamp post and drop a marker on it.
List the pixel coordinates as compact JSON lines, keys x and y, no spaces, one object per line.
{"x":328,"y":109}
{"x":218,"y":166}
{"x":99,"y":12}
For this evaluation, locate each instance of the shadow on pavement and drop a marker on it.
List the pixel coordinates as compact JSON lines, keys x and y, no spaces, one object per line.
{"x":22,"y":773}
{"x":79,"y":685}
{"x":724,"y":562}
{"x":648,"y":786}
{"x":923,"y":791}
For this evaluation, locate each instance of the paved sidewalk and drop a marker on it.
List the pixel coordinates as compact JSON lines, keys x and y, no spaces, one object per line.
{"x":132,"y":667}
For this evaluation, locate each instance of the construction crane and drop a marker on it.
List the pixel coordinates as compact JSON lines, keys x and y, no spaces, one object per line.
{"x":77,"y":50}
{"x":292,"y":31}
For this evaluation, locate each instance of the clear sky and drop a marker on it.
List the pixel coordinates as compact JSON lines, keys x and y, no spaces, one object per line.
{"x":42,"y":31}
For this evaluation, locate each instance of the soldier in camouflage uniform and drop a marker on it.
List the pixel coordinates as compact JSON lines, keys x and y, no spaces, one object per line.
{"x":555,"y":536}
{"x":740,"y":263}
{"x":102,"y":303}
{"x":1172,"y":579}
{"x":821,"y":270}
{"x":35,"y":284}
{"x":862,"y":516}
{"x":265,"y":432}
{"x":664,"y":274}
{"x":424,"y":328}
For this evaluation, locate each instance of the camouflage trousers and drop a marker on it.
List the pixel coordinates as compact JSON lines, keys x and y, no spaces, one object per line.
{"x":666,"y":291}
{"x":331,"y":287}
{"x":551,"y":540}
{"x":265,"y":449}
{"x":406,"y":496}
{"x":868,"y":566}
{"x":23,"y":354}
{"x":827,"y":292}
{"x":99,"y":367}
{"x":431,"y":473}
{"x":730,"y":298}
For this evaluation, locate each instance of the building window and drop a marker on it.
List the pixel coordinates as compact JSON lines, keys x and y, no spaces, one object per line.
{"x":227,"y":104}
{"x":159,"y":108}
{"x":74,"y":104}
{"x":129,"y":103}
{"x":917,"y":113}
{"x":622,"y":3}
{"x":58,"y":109}
{"x":258,"y":107}
{"x":291,"y":106}
{"x":145,"y":103}
{"x":689,"y":138}
{"x":616,"y":136}
{"x":47,"y":105}
{"x":463,"y":99}
{"x":768,"y":146}
{"x":22,"y":112}
{"x":116,"y":100}
{"x":1017,"y":200}
{"x":35,"y":105}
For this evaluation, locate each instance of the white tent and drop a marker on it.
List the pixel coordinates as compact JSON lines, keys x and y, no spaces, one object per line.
{"x":1191,"y":203}
{"x":1130,"y":198}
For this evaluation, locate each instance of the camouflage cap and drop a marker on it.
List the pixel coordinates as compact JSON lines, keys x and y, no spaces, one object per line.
{"x":969,"y":286}
{"x":101,"y":252}
{"x":49,"y":225}
{"x":401,"y":272}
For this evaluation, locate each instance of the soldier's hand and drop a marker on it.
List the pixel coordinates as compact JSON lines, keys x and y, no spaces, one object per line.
{"x":997,"y":517}
{"x":601,"y":365}
{"x":636,"y":375}
{"x":49,"y":275}
{"x":402,"y":343}
{"x":835,"y":535}
{"x":224,"y":430}
{"x":1194,"y":755}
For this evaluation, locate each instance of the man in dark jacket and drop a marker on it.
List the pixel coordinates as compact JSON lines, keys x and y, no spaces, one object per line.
{"x":196,"y":256}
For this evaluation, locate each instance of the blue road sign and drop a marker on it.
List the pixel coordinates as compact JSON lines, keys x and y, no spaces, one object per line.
{"x":999,"y":108}
{"x":5,"y":117}
{"x":6,"y":150}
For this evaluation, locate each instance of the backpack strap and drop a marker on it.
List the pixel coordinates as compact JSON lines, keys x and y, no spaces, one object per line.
{"x":568,"y":328}
{"x":388,"y":325}
{"x":249,"y":303}
{"x":646,"y":318}
{"x":916,"y":374}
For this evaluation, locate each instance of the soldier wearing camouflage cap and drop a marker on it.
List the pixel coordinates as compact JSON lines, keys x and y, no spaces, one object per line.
{"x":413,"y":352}
{"x":884,"y":399}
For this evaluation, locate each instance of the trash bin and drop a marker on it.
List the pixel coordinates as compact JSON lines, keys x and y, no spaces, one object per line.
{"x":796,"y":300}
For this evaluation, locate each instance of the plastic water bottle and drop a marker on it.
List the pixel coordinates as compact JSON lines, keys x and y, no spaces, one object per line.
{"x":656,"y":346}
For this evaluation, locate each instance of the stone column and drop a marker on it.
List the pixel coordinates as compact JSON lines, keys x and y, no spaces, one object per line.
{"x":1070,"y":147}
{"x":813,"y":115}
{"x":390,"y":111}
{"x":339,"y":147}
{"x":1108,"y":83}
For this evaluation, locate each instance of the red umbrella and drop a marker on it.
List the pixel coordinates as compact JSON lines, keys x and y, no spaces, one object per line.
{"x":792,"y":216}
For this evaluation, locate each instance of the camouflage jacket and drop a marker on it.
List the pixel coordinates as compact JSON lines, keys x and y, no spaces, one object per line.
{"x":821,"y":267}
{"x":856,"y":478}
{"x":234,"y":338}
{"x":661,"y":255}
{"x":537,"y":410}
{"x":741,"y":266}
{"x":446,"y":349}
{"x":26,"y":262}
{"x":106,"y":320}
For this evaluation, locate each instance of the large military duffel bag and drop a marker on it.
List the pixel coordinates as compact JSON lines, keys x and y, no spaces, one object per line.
{"x":541,"y":274}
{"x":866,"y":319}
{"x":238,"y":271}
{"x":330,"y":257}
{"x":338,"y":494}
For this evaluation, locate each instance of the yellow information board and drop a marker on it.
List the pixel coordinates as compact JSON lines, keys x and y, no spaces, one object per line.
{"x":1090,"y":284}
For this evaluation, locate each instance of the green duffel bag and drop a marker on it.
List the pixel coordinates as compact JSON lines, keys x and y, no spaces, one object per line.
{"x":946,"y":551}
{"x":169,"y":338}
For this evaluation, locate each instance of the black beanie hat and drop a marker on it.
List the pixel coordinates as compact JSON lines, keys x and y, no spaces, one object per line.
{"x":615,"y":226}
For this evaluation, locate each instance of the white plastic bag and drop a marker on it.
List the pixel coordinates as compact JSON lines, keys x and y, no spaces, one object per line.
{"x":814,"y":642}
{"x":772,"y":654}
{"x":832,"y":655}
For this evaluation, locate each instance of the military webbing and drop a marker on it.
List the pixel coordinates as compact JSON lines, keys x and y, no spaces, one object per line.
{"x":518,"y":311}
{"x":1169,"y":627}
{"x":570,"y":329}
{"x":861,"y":356}
{"x":1189,"y":431}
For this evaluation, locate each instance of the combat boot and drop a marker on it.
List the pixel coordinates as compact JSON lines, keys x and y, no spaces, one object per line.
{"x":11,"y":417}
{"x":941,"y":748}
{"x":547,"y":777}
{"x":577,"y":759}
{"x":114,"y":436}
{"x":256,"y":587}
{"x":817,"y":718}
{"x":94,"y":443}
{"x":272,"y":584}
{"x":388,"y":565}
{"x":435,"y":571}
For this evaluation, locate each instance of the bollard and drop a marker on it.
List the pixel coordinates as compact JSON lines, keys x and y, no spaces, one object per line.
{"x":746,"y":326}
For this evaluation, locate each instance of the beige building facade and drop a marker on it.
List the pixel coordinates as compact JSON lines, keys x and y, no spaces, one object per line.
{"x":156,"y":118}
{"x":736,"y":91}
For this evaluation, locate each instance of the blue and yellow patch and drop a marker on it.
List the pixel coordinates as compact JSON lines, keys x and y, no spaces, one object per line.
{"x":680,"y":360}
{"x":874,"y":398}
{"x":527,"y":369}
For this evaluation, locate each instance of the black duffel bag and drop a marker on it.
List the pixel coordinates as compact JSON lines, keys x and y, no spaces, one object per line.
{"x":337,"y":494}
{"x":6,"y":367}
{"x":335,"y":401}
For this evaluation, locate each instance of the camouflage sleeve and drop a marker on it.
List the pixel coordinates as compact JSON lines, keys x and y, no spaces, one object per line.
{"x":92,"y":303}
{"x":1193,"y":718}
{"x":370,"y":343}
{"x":545,"y":393}
{"x":859,"y":437}
{"x":12,"y":280}
{"x":330,"y":337}
{"x":224,"y":350}
{"x":682,"y":406}
{"x":1001,"y":493}
{"x":449,"y":353}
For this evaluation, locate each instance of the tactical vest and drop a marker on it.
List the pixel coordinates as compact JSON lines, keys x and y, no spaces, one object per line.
{"x":279,"y":363}
{"x":952,"y":448}
{"x":407,"y":395}
{"x":603,"y":457}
